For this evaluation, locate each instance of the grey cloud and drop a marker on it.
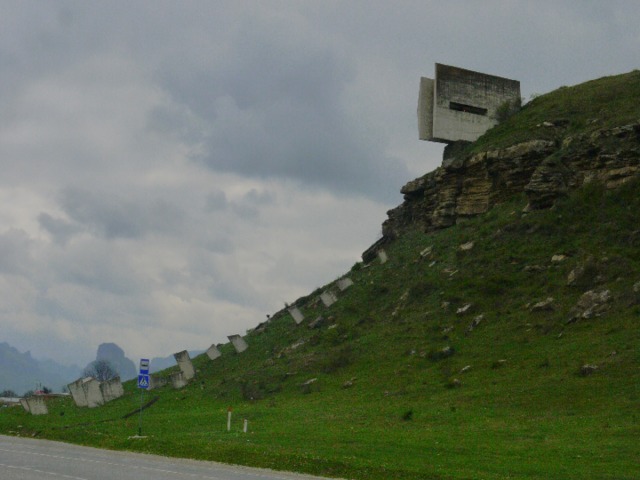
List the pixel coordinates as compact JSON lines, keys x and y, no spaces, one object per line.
{"x":112,"y":216}
{"x":60,"y":229}
{"x":216,"y":201}
{"x":15,"y":257}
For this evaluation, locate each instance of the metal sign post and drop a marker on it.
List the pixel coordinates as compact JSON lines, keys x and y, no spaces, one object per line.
{"x":143,"y":384}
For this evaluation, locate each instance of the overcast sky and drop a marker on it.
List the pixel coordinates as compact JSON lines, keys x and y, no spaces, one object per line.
{"x":174,"y":171}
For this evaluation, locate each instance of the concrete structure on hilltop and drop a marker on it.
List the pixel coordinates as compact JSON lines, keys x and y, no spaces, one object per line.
{"x":461,"y":105}
{"x":184,"y":362}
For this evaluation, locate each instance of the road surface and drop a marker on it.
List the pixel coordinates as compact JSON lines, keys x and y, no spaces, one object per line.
{"x":29,"y":459}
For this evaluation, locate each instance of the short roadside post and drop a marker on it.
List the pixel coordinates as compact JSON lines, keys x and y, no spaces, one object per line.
{"x":143,"y":384}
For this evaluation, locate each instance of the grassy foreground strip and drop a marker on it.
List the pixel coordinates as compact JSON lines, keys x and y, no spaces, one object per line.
{"x":411,"y":385}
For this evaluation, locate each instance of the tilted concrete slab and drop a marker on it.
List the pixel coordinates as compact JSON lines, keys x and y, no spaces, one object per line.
{"x":111,"y":389}
{"x":382,"y":256}
{"x":238,"y":343}
{"x":328,"y":298}
{"x":93,"y":393}
{"x":25,"y":404}
{"x":185,"y":365}
{"x":177,"y":380}
{"x":37,"y":405}
{"x":344,"y":283}
{"x":213,"y":352}
{"x":156,"y":381}
{"x":78,"y":392}
{"x":297,"y":315}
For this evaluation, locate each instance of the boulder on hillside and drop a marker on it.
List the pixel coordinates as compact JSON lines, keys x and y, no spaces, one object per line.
{"x":592,"y":304}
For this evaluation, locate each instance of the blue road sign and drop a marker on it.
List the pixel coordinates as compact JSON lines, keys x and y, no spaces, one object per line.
{"x":144,"y":366}
{"x":143,"y":381}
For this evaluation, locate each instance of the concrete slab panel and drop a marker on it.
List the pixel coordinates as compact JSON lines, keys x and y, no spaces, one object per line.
{"x":78,"y":393}
{"x":238,"y":343}
{"x":25,"y":404}
{"x":37,"y":405}
{"x":213,"y":352}
{"x":344,"y":283}
{"x":111,"y":389}
{"x":177,"y":380}
{"x":93,"y":393}
{"x":297,"y":315}
{"x":155,"y":381}
{"x":382,"y":256}
{"x":425,"y":108}
{"x":328,"y":298}
{"x":185,"y":365}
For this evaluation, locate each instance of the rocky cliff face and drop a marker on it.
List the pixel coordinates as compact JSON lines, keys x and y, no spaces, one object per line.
{"x":470,"y":184}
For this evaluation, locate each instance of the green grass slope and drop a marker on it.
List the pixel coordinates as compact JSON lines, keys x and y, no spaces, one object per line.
{"x":404,"y":381}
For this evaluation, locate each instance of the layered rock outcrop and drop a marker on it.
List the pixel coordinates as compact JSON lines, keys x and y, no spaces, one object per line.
{"x":470,"y":184}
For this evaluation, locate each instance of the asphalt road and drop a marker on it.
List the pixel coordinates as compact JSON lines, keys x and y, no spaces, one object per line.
{"x":29,"y":459}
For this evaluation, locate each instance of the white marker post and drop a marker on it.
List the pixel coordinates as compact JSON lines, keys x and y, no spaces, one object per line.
{"x":246,"y":423}
{"x":229,"y":419}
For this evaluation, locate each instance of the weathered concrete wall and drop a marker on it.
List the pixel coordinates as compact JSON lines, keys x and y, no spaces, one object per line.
{"x":297,"y":315}
{"x":37,"y":405}
{"x":238,"y":343}
{"x":178,"y":380}
{"x":328,"y":298}
{"x":425,"y":109}
{"x":93,"y":392}
{"x":344,"y":283}
{"x":213,"y":352}
{"x":155,"y":381}
{"x":184,"y":362}
{"x":111,"y":389}
{"x":77,"y":392}
{"x":463,"y":103}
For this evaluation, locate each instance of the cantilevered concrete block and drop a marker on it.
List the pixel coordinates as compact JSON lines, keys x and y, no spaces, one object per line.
{"x":111,"y":389}
{"x":93,"y":393}
{"x":328,"y":298}
{"x":37,"y":405}
{"x":156,"y":381}
{"x":213,"y":352}
{"x":461,"y":105}
{"x":238,"y":343}
{"x":184,"y":362}
{"x":344,"y":283}
{"x":78,"y":393}
{"x":178,"y":380}
{"x":297,"y":315}
{"x":25,"y":404}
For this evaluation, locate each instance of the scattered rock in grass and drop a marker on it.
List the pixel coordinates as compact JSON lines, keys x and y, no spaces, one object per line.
{"x":476,"y":321}
{"x":466,"y":368}
{"x":349,"y":383}
{"x":558,"y":258}
{"x":427,"y":251}
{"x":465,"y":247}
{"x":318,"y":322}
{"x":588,"y":369}
{"x":592,"y":303}
{"x":498,"y":364}
{"x":306,"y":387}
{"x":534,"y":268}
{"x":445,"y":305}
{"x":454,"y":383}
{"x":543,"y":306}
{"x":441,"y":354}
{"x":464,"y":309}
{"x":447,"y":330}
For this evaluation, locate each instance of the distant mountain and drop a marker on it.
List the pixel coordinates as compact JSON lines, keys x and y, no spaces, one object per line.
{"x":113,"y":354}
{"x":21,"y":372}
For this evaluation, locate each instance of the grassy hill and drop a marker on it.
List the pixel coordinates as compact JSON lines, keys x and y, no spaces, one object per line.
{"x":480,"y":362}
